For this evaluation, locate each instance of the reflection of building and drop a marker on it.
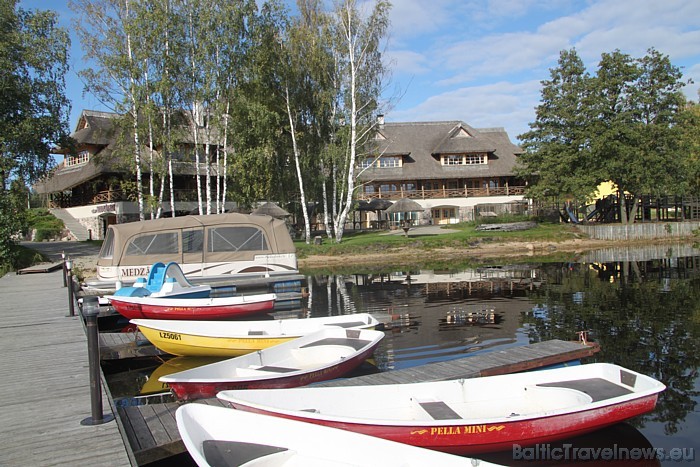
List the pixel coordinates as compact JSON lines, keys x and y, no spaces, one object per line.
{"x":426,"y":335}
{"x":468,"y":280}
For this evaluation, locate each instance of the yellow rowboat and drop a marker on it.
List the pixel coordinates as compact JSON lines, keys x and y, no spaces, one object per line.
{"x":235,"y":338}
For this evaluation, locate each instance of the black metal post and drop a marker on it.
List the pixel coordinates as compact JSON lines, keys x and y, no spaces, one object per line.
{"x":63,"y":258}
{"x":90,"y":310}
{"x":71,"y":300}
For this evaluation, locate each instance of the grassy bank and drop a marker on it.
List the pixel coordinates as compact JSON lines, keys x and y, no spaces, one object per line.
{"x":376,"y":250}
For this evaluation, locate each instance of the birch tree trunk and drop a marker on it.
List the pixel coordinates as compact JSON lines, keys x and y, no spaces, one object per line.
{"x":297,"y":163}
{"x":135,"y":116}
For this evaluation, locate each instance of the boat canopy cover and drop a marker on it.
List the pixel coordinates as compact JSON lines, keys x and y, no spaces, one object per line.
{"x":195,"y":239}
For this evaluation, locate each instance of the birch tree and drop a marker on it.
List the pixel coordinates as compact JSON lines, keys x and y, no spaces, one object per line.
{"x":306,"y":81}
{"x":105,"y":28}
{"x":359,"y":44}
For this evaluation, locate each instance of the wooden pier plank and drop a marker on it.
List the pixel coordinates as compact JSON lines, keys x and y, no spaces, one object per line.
{"x":121,"y":345}
{"x":45,"y":382}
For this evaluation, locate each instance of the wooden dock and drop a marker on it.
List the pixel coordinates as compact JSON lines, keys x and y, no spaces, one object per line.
{"x":121,"y":345}
{"x":152,"y":432}
{"x":45,"y":381}
{"x":41,"y":268}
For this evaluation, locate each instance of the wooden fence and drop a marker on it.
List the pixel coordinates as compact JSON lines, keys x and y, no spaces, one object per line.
{"x":639,"y":231}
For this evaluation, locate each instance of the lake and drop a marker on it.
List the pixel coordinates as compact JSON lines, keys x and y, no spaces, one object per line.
{"x":644,"y":312}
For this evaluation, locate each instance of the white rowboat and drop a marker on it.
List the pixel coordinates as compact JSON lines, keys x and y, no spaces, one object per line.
{"x":216,"y":436}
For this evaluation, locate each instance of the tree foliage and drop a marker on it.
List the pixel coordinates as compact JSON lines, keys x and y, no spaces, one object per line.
{"x":34,"y":111}
{"x":267,"y":96}
{"x":619,"y":125}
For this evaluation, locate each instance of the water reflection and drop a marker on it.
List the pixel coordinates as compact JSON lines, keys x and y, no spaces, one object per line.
{"x":644,"y":314}
{"x":617,"y":445}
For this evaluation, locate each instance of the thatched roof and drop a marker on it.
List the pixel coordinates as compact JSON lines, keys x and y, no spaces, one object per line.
{"x":405,"y":205}
{"x":374,"y":205}
{"x":272,"y":210}
{"x":422,"y":143}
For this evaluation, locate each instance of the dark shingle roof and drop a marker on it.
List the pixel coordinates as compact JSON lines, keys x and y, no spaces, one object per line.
{"x":421,"y":143}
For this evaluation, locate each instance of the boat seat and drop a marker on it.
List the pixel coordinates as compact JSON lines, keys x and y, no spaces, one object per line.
{"x":439,"y":410}
{"x":598,"y":389}
{"x":356,"y":344}
{"x":348,"y":324}
{"x":277,"y":369}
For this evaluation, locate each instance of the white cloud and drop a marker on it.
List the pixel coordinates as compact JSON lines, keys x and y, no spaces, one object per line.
{"x":501,"y":104}
{"x":476,"y":61}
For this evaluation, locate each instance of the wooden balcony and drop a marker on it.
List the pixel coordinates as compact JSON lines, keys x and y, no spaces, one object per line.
{"x":61,"y":200}
{"x":444,"y":193}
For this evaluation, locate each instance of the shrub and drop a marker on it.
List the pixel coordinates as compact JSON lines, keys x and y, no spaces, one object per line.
{"x":47,"y":226}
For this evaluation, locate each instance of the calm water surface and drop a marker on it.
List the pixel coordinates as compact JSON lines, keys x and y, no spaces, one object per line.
{"x":644,"y":313}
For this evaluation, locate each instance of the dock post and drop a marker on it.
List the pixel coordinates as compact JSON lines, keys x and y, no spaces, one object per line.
{"x":71,"y":300}
{"x":90,"y":310}
{"x":63,"y":259}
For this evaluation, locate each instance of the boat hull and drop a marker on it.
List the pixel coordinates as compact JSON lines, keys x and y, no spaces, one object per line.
{"x":488,"y":437}
{"x":320,"y":356}
{"x":242,"y":338}
{"x":192,"y":391}
{"x":191,"y":309}
{"x":470,"y":416}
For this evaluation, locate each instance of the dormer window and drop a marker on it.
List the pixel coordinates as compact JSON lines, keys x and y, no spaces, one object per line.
{"x":82,"y":158}
{"x":463,"y":159}
{"x":383,"y":162}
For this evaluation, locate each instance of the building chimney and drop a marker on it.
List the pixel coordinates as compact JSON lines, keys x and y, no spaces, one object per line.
{"x":380,"y":120}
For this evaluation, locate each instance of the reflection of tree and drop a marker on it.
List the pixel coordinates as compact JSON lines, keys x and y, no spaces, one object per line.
{"x":637,"y":326}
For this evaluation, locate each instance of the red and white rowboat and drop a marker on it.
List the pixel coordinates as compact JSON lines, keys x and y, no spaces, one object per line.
{"x":473,"y":415}
{"x":326,"y":354}
{"x":192,"y":308}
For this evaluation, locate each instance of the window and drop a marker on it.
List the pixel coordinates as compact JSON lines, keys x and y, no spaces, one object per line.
{"x":473,"y":159}
{"x":389,"y":162}
{"x":366,"y":163}
{"x":241,"y":238}
{"x":192,"y":241}
{"x":81,"y":158}
{"x":384,"y":162}
{"x":153,"y":244}
{"x":452,"y":159}
{"x":448,"y":213}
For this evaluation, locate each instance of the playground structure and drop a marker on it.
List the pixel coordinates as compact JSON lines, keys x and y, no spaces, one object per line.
{"x":646,"y":209}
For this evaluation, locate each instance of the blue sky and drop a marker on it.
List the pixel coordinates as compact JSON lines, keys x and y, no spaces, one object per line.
{"x":482,"y":61}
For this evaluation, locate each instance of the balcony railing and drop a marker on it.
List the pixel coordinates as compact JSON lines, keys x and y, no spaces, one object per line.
{"x":444,"y":193}
{"x":62,"y":200}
